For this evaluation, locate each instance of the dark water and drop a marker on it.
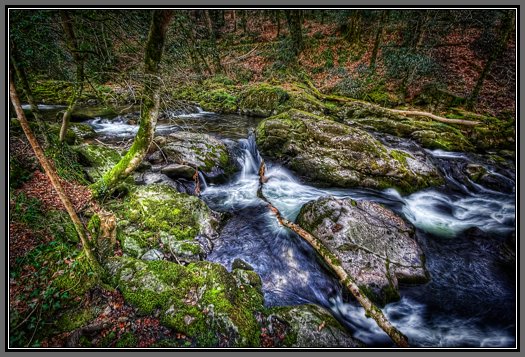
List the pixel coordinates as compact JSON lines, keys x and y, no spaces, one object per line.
{"x":461,"y":227}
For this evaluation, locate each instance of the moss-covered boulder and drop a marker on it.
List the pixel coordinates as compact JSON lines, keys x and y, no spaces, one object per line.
{"x":341,"y":155}
{"x":429,"y":134}
{"x":199,"y":151}
{"x":158,"y":217}
{"x":97,"y":159}
{"x":83,"y":131}
{"x":202,"y":300}
{"x":218,"y":100}
{"x":262,"y":100}
{"x":374,"y":245}
{"x":309,"y":326}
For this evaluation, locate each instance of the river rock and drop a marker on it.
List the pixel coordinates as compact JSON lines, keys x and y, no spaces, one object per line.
{"x":201,"y":300}
{"x":178,"y":171}
{"x":201,"y":151}
{"x":153,"y":254}
{"x":374,"y":245}
{"x":341,"y":155}
{"x":158,"y":217}
{"x":310,"y":326}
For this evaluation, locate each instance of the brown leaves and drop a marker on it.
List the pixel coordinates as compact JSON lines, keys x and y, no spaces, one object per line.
{"x":40,"y":187}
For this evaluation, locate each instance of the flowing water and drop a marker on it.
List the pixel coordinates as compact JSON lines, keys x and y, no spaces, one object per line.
{"x":470,"y":300}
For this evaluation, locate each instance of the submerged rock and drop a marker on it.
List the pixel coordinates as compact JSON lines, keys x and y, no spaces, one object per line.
{"x":202,"y":300}
{"x":310,"y":326}
{"x":197,"y":151}
{"x":341,"y":155}
{"x":374,"y":245}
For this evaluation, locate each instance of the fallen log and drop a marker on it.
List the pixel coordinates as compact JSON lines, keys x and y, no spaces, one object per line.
{"x":405,"y":113}
{"x":370,"y":309}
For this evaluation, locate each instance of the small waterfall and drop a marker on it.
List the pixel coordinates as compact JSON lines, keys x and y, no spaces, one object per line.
{"x":251,"y":159}
{"x":202,"y":181}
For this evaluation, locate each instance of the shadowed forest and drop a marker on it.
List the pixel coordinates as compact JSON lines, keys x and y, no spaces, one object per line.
{"x":262,"y":178}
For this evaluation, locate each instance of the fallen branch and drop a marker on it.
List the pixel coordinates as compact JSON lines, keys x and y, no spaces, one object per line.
{"x":405,"y":113}
{"x":434,"y":117}
{"x":370,"y":309}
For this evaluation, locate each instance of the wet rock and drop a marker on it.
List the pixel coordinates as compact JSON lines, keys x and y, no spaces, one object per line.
{"x":178,"y":171}
{"x":241,"y":264}
{"x":340,"y":155}
{"x":153,"y":254}
{"x":83,"y":131}
{"x":182,"y":250}
{"x":198,"y":151}
{"x":310,"y":326}
{"x":374,"y":245}
{"x":475,"y":171}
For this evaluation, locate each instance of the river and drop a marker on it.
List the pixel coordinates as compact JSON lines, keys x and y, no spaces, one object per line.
{"x":470,"y":300}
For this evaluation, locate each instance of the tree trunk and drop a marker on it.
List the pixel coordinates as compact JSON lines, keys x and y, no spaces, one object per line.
{"x":72,"y":44}
{"x":293,"y":18}
{"x":55,"y":180}
{"x":353,"y":34}
{"x":278,"y":22}
{"x":370,"y":309}
{"x":505,"y":32}
{"x":150,"y":106}
{"x":21,"y":74}
{"x":213,"y":40}
{"x":234,"y":15}
{"x":377,"y":41}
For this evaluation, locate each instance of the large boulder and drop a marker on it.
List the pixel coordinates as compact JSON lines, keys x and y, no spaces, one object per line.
{"x":202,"y":300}
{"x":341,"y":155}
{"x":309,"y":326}
{"x":374,"y":245}
{"x":201,"y":151}
{"x":158,"y":217}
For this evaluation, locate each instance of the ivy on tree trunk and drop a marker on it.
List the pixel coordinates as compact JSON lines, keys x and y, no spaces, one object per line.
{"x":150,"y":106}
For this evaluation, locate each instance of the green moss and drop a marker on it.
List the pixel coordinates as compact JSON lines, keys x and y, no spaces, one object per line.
{"x":262,"y":99}
{"x":400,"y":156}
{"x":201,"y":300}
{"x":72,"y":320}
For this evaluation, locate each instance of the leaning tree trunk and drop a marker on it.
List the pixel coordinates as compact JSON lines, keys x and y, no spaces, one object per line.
{"x":22,"y":77}
{"x":53,"y":177}
{"x":150,"y":106}
{"x":72,"y":44}
{"x":371,"y":310}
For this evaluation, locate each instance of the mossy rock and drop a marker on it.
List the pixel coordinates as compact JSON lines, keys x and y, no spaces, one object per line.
{"x":201,"y":300}
{"x":218,"y":101}
{"x":341,"y":155}
{"x":371,"y":243}
{"x":199,"y":151}
{"x":83,"y":131}
{"x":311,"y":326}
{"x":97,"y":159}
{"x":81,"y":113}
{"x":158,"y":217}
{"x":262,"y":100}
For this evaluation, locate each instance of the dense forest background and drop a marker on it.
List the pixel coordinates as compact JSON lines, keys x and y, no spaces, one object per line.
{"x":425,"y":58}
{"x":396,"y":102}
